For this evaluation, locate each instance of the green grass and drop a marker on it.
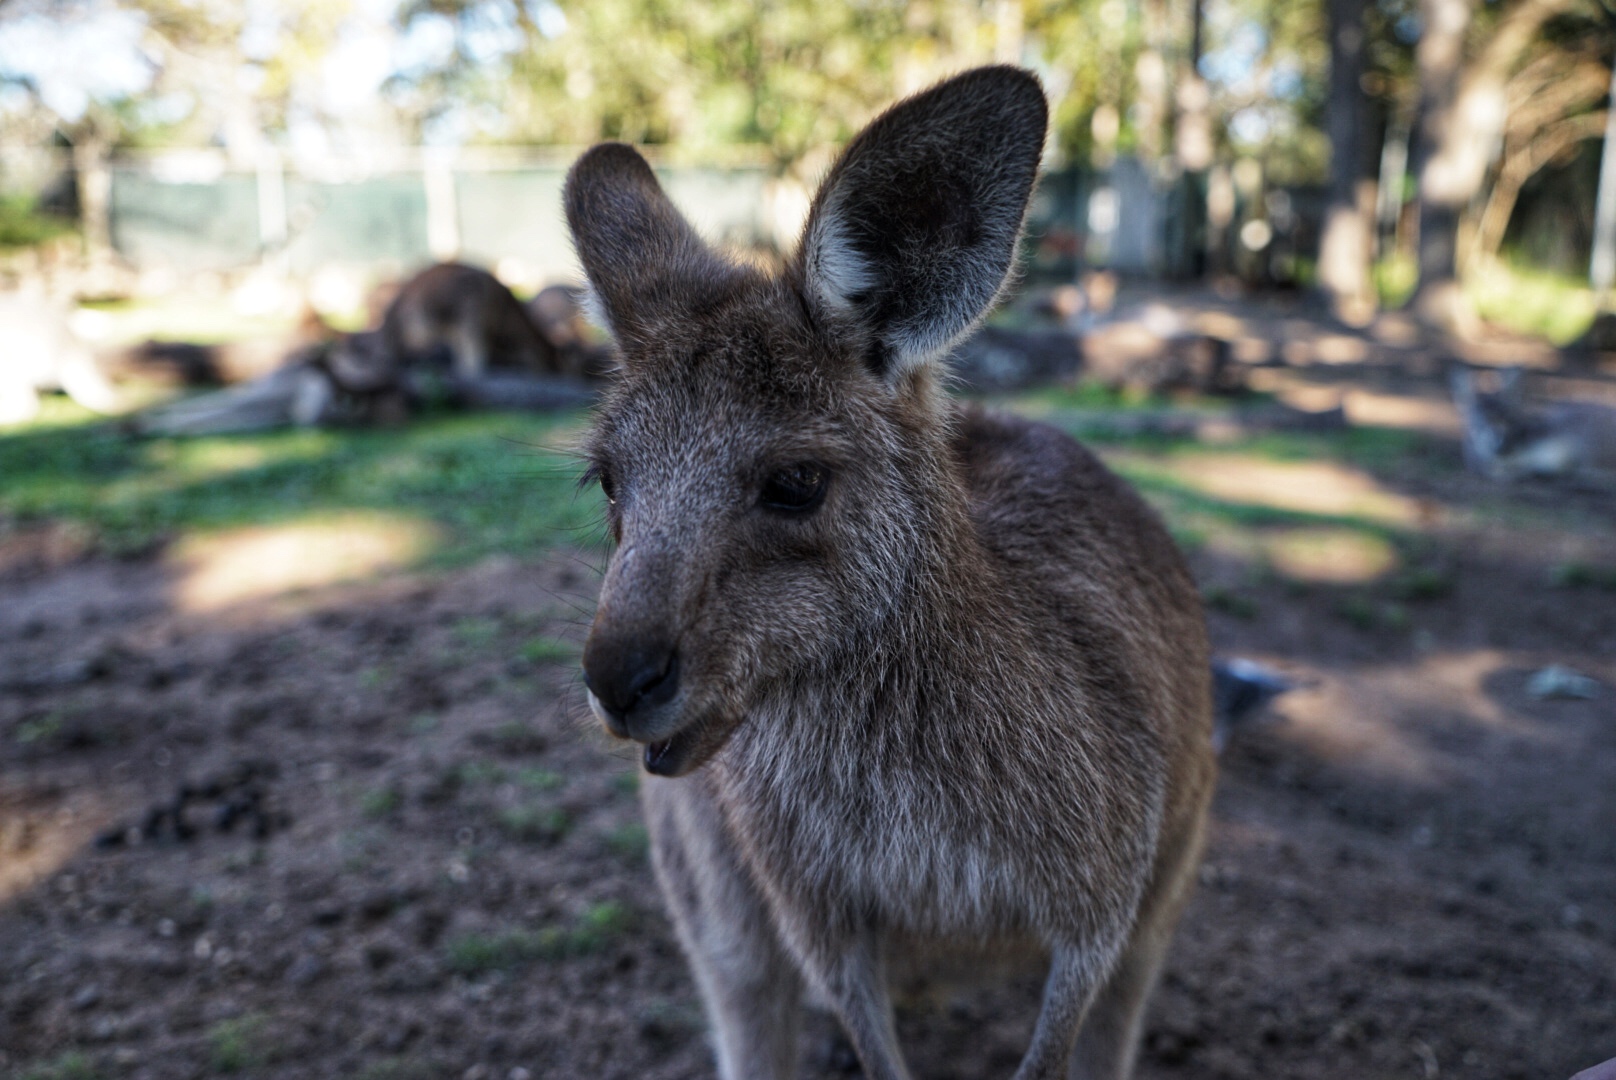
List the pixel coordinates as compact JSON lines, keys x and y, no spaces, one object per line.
{"x":1576,"y":575}
{"x":381,"y":802}
{"x":72,"y":1065}
{"x":1230,"y":602}
{"x":592,"y":932}
{"x":1540,"y":303}
{"x":476,"y":632}
{"x":23,"y":224}
{"x":535,"y":824}
{"x":400,"y":1068}
{"x":630,"y":841}
{"x":546,"y":649}
{"x":38,"y":730}
{"x":239,"y":1045}
{"x":541,"y":780}
{"x":1531,"y":301}
{"x":1394,"y":278}
{"x":489,"y":483}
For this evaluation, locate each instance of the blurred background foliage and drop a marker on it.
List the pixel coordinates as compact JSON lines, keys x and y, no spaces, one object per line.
{"x":1408,"y":156}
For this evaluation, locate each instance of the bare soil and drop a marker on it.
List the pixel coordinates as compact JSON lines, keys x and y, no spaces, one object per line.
{"x":403,"y":853}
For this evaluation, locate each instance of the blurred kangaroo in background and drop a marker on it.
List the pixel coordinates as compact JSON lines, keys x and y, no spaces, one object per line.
{"x":461,"y":311}
{"x":916,"y":682}
{"x":40,"y":352}
{"x":1507,"y":439}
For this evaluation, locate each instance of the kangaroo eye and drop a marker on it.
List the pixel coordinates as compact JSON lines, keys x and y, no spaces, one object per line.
{"x":597,"y":474}
{"x":795,"y":489}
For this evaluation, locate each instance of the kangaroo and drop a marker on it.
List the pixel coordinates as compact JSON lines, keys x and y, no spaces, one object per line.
{"x":468,"y":313}
{"x":1505,"y":439}
{"x":915,"y":682}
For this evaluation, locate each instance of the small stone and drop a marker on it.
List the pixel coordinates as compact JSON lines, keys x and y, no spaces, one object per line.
{"x":519,"y":1073}
{"x":330,"y":913}
{"x":305,"y":970}
{"x":1559,"y":682}
{"x":87,"y":997}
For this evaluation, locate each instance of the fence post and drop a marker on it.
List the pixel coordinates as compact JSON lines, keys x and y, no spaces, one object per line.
{"x":272,"y":226}
{"x":442,"y":214}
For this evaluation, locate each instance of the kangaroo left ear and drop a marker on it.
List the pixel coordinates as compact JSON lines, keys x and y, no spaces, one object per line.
{"x":912,"y":235}
{"x":644,"y":261}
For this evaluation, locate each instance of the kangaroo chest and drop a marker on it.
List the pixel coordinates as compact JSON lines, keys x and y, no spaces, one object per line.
{"x":956,"y":836}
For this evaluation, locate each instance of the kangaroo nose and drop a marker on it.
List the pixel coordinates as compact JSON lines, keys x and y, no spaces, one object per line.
{"x":626,"y":681}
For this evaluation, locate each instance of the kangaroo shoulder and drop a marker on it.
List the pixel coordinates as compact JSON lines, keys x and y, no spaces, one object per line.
{"x":1031,"y":483}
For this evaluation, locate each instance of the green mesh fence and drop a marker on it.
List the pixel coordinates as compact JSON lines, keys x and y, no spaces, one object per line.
{"x":384,"y":224}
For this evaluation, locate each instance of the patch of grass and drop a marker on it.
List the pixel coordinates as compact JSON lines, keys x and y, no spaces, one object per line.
{"x":72,"y":1065}
{"x":476,"y":632}
{"x":516,"y":737}
{"x":601,"y":924}
{"x":381,"y":802}
{"x":479,"y":773}
{"x":239,"y":1044}
{"x":1419,"y":583}
{"x":399,"y":1068}
{"x":1394,"y":279}
{"x":374,"y":678}
{"x":592,"y":932}
{"x":1370,"y":615}
{"x":40,"y":729}
{"x":630,"y":841}
{"x":1541,"y":303}
{"x":1230,"y":602}
{"x":535,"y":825}
{"x":541,"y":780}
{"x":1576,"y":575}
{"x":495,"y":482}
{"x":628,"y":783}
{"x":23,"y":224}
{"x":548,"y":650}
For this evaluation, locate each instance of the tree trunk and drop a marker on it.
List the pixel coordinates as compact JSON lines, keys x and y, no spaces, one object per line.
{"x":1602,"y":261}
{"x":1344,"y":245}
{"x":1444,"y":189}
{"x":1521,"y":166}
{"x":1463,"y":109}
{"x":93,"y":180}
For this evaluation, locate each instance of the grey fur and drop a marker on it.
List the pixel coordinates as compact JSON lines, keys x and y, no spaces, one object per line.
{"x":960,"y":707}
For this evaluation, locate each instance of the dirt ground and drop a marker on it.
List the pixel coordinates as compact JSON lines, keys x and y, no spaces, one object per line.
{"x":403,"y":853}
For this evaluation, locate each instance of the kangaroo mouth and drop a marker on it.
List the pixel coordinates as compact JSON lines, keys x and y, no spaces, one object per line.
{"x":675,"y":755}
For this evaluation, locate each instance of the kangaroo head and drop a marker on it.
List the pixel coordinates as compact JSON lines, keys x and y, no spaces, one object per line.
{"x":773,"y":449}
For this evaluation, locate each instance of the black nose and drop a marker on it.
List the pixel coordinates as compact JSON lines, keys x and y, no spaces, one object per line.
{"x":626,"y":680}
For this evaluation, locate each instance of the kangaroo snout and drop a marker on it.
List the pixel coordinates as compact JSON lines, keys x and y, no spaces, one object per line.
{"x":629,"y":682}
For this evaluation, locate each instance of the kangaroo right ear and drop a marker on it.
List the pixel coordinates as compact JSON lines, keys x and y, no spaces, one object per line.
{"x":912,"y":234}
{"x":641,"y":256}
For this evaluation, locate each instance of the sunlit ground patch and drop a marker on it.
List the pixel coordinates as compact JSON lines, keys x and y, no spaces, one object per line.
{"x":183,"y":462}
{"x":39,"y":835}
{"x":222,"y":569}
{"x":1376,"y":717}
{"x":1366,"y":408}
{"x":1309,"y":487}
{"x":1327,"y":555}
